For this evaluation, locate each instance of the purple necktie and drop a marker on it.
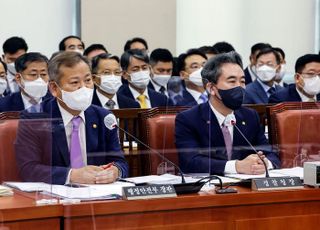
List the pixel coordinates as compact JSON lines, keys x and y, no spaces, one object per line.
{"x":75,"y":147}
{"x":227,"y":140}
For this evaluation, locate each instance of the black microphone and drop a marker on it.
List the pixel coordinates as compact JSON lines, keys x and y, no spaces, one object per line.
{"x":110,"y":121}
{"x":231,"y":120}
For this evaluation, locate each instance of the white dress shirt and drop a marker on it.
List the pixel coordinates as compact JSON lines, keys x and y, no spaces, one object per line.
{"x":304,"y":98}
{"x":136,"y":94}
{"x":196,"y":95}
{"x":103,"y":99}
{"x":26,"y":101}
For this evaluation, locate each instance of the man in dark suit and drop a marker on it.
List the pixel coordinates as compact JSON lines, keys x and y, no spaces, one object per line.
{"x":107,"y":78}
{"x":135,"y":64}
{"x":207,"y":135}
{"x":73,"y":146}
{"x":307,"y":78}
{"x":32,"y":78}
{"x":267,"y":66}
{"x":249,"y":72}
{"x":189,"y":66}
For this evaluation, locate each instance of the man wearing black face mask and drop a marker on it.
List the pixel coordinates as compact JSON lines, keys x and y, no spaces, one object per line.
{"x":206,"y":138}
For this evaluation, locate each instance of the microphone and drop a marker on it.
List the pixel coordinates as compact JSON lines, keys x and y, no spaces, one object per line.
{"x":110,"y":121}
{"x":231,"y":120}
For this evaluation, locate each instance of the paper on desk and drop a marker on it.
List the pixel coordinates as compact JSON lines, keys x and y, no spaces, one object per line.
{"x":293,"y":172}
{"x":249,"y":176}
{"x":28,"y":186}
{"x":5,"y":191}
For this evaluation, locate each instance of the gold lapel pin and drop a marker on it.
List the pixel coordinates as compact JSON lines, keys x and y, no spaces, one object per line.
{"x":94,"y":126}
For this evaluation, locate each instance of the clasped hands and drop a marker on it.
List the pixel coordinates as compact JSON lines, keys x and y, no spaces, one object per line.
{"x":252,"y":164}
{"x":94,"y":174}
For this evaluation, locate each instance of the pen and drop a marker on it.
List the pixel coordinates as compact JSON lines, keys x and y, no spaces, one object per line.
{"x":107,"y":165}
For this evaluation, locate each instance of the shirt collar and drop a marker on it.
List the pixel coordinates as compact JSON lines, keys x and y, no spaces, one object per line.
{"x":103,"y":99}
{"x":265,"y":86}
{"x":136,"y":94}
{"x":67,"y":117}
{"x":195,"y":94}
{"x":220,"y":117}
{"x":26,"y":101}
{"x":303,"y":97}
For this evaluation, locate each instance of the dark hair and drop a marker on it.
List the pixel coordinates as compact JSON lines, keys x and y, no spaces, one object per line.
{"x":133,"y":40}
{"x":136,"y":53}
{"x":162,"y":55}
{"x":181,"y":64}
{"x":305,"y":59}
{"x":68,"y":59}
{"x":259,"y":46}
{"x":223,"y":47}
{"x":213,"y":68}
{"x":24,"y":60}
{"x":4,"y":65}
{"x":94,"y":47}
{"x":95,"y":61}
{"x":208,"y":50}
{"x":13,"y":44}
{"x":279,"y":50}
{"x":267,"y":51}
{"x":62,"y":46}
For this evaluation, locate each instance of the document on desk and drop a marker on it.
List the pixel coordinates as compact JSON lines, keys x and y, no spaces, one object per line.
{"x":82,"y":192}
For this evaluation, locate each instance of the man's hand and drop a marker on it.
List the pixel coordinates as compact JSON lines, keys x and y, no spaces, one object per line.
{"x":108,"y":175}
{"x":252,"y":164}
{"x":85,"y":175}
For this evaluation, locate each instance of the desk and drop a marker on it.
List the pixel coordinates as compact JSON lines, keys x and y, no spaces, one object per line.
{"x":20,"y":212}
{"x":294,"y":209}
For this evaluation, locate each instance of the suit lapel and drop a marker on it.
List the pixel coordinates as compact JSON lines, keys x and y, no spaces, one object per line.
{"x":92,"y":129}
{"x":260,"y":92}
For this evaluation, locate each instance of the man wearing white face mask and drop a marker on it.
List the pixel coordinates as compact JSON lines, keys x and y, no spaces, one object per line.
{"x":267,"y":66}
{"x":32,"y":78}
{"x":3,"y":78}
{"x":280,"y":75}
{"x":135,"y":64}
{"x":13,"y":48}
{"x":73,"y":145}
{"x":161,"y":62}
{"x":307,"y":82}
{"x":189,"y":66}
{"x":107,"y":78}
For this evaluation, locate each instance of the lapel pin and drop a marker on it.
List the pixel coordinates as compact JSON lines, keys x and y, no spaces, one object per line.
{"x":94,"y":126}
{"x":243,"y":123}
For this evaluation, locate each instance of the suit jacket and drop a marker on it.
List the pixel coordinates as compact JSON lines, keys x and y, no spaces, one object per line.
{"x":123,"y":102}
{"x":188,"y":99}
{"x":288,"y":93}
{"x":201,"y":145}
{"x":156,"y":99}
{"x":255,"y":94}
{"x":41,"y":146}
{"x":247,"y":76}
{"x":14,"y":102}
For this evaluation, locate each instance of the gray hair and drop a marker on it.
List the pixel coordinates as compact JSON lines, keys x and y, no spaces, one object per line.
{"x":66,"y":58}
{"x":213,"y":68}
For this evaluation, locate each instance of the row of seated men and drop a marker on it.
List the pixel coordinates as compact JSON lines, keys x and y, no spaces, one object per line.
{"x":77,"y":147}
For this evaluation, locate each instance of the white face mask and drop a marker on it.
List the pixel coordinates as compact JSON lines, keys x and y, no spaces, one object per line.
{"x":78,"y":51}
{"x":312,"y":85}
{"x":196,"y":77}
{"x":265,"y":73}
{"x":11,"y":68}
{"x":3,"y":85}
{"x":78,"y":100}
{"x":140,"y":79}
{"x":280,"y":75}
{"x":110,"y":83}
{"x":35,"y":89}
{"x":161,"y":80}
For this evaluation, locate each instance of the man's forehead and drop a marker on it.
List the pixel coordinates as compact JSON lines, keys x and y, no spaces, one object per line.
{"x":231,"y":69}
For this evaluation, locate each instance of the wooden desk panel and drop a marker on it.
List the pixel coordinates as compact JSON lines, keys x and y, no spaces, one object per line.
{"x":246,"y":210}
{"x":20,"y":212}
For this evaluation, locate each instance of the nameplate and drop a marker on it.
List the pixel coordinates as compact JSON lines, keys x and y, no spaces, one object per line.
{"x":276,"y":183}
{"x":148,"y":192}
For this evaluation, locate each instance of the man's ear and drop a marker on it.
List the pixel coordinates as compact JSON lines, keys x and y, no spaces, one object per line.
{"x":126,"y":76}
{"x":18,"y":78}
{"x":53,"y":88}
{"x":184,"y":75}
{"x":298,"y":80}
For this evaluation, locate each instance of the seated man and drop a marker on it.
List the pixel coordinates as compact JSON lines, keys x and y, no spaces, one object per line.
{"x":206,"y":141}
{"x":73,"y":145}
{"x":107,"y":78}
{"x":3,"y":78}
{"x":135,"y":64}
{"x":307,"y":78}
{"x":32,"y":78}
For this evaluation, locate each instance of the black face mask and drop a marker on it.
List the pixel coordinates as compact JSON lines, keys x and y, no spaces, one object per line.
{"x":232,"y":98}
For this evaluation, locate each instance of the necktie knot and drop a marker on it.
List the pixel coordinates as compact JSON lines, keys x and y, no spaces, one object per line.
{"x":162,"y":90}
{"x":204,"y":97}
{"x":110,"y":104}
{"x":76,"y":123}
{"x":142,"y":99}
{"x":272,"y":90}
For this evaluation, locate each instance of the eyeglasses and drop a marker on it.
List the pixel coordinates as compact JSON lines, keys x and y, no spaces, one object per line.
{"x":107,"y":72}
{"x":310,"y":75}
